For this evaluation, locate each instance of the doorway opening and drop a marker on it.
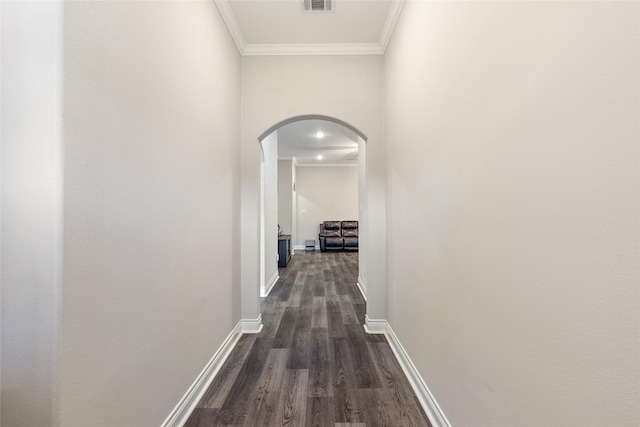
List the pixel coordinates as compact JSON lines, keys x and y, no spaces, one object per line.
{"x":312,"y":169}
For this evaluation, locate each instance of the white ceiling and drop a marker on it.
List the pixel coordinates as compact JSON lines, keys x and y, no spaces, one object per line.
{"x":281,"y":27}
{"x":284,"y":22}
{"x":298,"y":140}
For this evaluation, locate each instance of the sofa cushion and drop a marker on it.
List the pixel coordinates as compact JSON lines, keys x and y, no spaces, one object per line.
{"x":331,"y":225}
{"x":349,"y":225}
{"x":350,"y":232}
{"x":334,"y":242}
{"x":350,"y":242}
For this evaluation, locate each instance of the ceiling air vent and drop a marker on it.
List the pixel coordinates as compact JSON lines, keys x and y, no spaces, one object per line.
{"x":317,"y":5}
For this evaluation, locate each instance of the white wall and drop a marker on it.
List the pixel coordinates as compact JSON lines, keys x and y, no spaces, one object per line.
{"x":294,"y":202}
{"x":348,"y":88}
{"x":31,"y":209}
{"x":324,"y":193}
{"x":363,"y":215}
{"x":512,"y":176}
{"x":151,"y":183}
{"x":285,"y":193}
{"x":270,"y":182}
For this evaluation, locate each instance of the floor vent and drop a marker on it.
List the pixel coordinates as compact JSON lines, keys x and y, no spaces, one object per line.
{"x":317,"y":5}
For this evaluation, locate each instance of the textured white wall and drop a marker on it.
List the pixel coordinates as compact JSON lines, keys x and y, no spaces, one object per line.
{"x":363,"y":215}
{"x":512,"y":147}
{"x":324,"y":194}
{"x":31,"y":209}
{"x":344,"y":87}
{"x":270,"y":165}
{"x":285,"y":192}
{"x":151,"y":183}
{"x":294,"y":203}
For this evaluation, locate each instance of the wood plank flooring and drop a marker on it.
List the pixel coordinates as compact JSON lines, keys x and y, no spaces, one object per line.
{"x":312,"y":364}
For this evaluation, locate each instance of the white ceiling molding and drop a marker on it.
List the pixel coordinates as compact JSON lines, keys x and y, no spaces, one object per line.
{"x":390,"y":23}
{"x":324,"y":165}
{"x":319,"y":165}
{"x":310,"y":49}
{"x":313,"y":49}
{"x":232,"y":24}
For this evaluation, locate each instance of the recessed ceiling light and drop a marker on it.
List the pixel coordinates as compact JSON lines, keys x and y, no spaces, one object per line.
{"x":320,"y":135}
{"x":319,"y":157}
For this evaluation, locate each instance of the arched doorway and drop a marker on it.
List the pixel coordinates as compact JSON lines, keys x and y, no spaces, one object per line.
{"x":268,"y":270}
{"x":311,"y":117}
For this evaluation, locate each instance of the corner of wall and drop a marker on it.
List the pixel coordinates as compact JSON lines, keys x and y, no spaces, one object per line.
{"x":362,"y":287}
{"x":419,"y":386}
{"x":185,"y":407}
{"x":424,"y":395}
{"x":252,"y":326}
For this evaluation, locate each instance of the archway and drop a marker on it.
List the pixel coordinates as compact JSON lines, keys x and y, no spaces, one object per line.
{"x":267,"y":272}
{"x":311,"y":117}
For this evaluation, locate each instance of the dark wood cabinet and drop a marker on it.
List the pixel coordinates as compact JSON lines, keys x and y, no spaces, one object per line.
{"x":284,"y":250}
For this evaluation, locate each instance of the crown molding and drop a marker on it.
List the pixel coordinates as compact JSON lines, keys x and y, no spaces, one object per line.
{"x":324,"y":165}
{"x":390,"y":23}
{"x":230,"y":19}
{"x":246,"y":49}
{"x":312,"y":49}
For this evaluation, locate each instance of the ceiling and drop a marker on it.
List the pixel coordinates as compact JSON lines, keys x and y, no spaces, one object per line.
{"x":282,"y":27}
{"x":338,"y":146}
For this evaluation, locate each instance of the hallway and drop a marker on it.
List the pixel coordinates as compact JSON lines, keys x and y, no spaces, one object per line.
{"x":312,"y":364}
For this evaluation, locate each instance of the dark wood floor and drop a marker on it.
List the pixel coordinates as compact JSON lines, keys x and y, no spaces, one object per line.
{"x":312,"y":364}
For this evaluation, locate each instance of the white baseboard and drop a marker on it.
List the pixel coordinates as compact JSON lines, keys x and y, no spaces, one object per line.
{"x":270,"y":284}
{"x":374,"y":326}
{"x":362,"y":287}
{"x":304,"y":248}
{"x":181,"y":412}
{"x":251,"y":326}
{"x":428,"y":402}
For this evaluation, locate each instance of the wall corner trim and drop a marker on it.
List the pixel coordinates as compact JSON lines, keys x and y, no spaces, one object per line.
{"x":426,"y":399}
{"x":363,"y":287}
{"x":374,"y":326}
{"x":312,"y":49}
{"x":232,"y":24}
{"x":270,"y":284}
{"x":183,"y":409}
{"x":390,"y":24}
{"x":251,"y":326}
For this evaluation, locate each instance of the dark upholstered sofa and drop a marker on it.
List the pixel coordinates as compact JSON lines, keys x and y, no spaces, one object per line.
{"x":339,"y":236}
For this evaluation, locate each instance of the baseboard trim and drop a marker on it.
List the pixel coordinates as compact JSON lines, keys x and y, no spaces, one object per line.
{"x":270,"y":284}
{"x":428,"y":402}
{"x":251,"y":326}
{"x":181,"y":412}
{"x":304,"y":248}
{"x":362,"y":287}
{"x":374,"y":326}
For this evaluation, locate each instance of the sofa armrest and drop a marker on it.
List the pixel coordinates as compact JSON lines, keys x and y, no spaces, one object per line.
{"x":323,"y":243}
